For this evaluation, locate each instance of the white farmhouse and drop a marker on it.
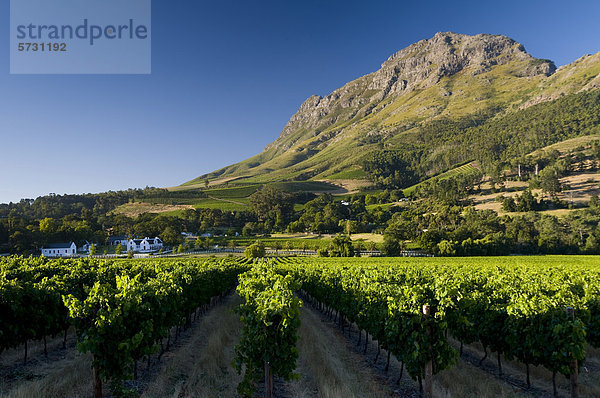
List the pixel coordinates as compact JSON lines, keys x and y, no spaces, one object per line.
{"x":145,"y":245}
{"x":118,"y":240}
{"x":60,"y":250}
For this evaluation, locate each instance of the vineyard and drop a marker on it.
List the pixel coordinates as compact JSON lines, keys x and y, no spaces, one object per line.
{"x":121,"y":311}
{"x":420,"y":318}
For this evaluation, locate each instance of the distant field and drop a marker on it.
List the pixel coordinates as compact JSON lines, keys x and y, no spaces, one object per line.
{"x":233,"y":192}
{"x":135,"y":209}
{"x":569,"y":145}
{"x":287,"y":241}
{"x":464,"y":169}
{"x":350,"y":174}
{"x":377,"y":238}
{"x":237,"y":197}
{"x":231,"y":198}
{"x":237,"y":204}
{"x":305,"y":186}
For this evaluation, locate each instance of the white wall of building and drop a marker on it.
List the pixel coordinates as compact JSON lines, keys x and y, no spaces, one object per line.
{"x":60,"y":252}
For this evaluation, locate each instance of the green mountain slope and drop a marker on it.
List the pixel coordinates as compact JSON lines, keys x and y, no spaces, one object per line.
{"x":440,"y":102}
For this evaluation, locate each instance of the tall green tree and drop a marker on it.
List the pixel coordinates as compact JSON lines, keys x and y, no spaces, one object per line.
{"x":342,"y":246}
{"x":549,"y":181}
{"x":272,"y":205}
{"x":255,"y":250}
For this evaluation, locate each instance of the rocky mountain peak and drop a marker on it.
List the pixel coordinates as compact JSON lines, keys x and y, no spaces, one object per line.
{"x":424,"y":63}
{"x":418,"y":66}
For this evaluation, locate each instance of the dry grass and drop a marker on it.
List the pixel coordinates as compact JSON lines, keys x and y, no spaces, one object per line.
{"x":69,"y":377}
{"x":348,"y":186}
{"x":327,"y":367}
{"x":201,"y":367}
{"x":64,"y":373}
{"x":568,"y":145}
{"x":466,"y":380}
{"x":35,"y":349}
{"x":484,"y":381}
{"x":582,"y":186}
{"x":377,"y":238}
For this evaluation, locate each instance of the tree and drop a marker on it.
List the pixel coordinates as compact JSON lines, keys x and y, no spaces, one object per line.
{"x":390,"y":169}
{"x":273,"y":206}
{"x":92,"y":250}
{"x":391,"y":246}
{"x":180,"y":248}
{"x":248,"y":229}
{"x":508,"y":204}
{"x":596,"y":150}
{"x":359,"y":247}
{"x":322,"y":252}
{"x":351,"y":227}
{"x":48,"y":226}
{"x":549,"y":181}
{"x":342,"y":246}
{"x":255,"y":250}
{"x":276,"y":246}
{"x":447,"y":248}
{"x":118,"y":249}
{"x":170,"y":236}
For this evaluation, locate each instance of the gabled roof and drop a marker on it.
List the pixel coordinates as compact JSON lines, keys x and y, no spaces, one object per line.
{"x":59,"y":245}
{"x":150,"y":241}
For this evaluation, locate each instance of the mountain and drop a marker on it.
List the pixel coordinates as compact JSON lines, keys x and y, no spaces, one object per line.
{"x":438,"y":102}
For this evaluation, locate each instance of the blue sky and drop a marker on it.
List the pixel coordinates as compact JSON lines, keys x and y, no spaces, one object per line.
{"x":226,"y":77}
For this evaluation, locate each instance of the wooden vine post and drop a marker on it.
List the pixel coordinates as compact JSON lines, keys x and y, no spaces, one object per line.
{"x":97,"y":383}
{"x":574,"y":367}
{"x":268,"y":380}
{"x":428,"y":393}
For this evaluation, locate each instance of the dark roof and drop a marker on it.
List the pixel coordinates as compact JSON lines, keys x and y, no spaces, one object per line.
{"x":59,"y":245}
{"x":151,"y":241}
{"x":113,"y":238}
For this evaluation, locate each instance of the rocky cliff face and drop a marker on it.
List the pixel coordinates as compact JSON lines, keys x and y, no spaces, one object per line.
{"x":418,"y":66}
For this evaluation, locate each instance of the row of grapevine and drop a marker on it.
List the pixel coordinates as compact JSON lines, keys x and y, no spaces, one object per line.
{"x":520,"y":312}
{"x":270,"y":317}
{"x":31,"y":290}
{"x":121,"y":310}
